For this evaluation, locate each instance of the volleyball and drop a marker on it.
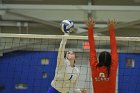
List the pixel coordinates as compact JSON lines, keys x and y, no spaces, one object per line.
{"x":67,"y":26}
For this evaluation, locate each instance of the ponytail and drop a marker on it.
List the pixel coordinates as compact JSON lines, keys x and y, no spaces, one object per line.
{"x":105,"y":60}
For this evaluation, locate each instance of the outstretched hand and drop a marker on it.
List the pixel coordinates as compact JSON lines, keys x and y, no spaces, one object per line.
{"x":112,"y":22}
{"x":66,"y":33}
{"x":90,"y":23}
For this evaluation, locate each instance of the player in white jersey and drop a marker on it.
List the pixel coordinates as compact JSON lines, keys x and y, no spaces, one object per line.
{"x":66,"y":74}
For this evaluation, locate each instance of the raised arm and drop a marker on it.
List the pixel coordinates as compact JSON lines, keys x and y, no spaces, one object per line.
{"x":93,"y":57}
{"x":113,"y":46}
{"x":60,"y":57}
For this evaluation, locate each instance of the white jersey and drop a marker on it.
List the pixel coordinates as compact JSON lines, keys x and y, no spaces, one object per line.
{"x":65,"y":77}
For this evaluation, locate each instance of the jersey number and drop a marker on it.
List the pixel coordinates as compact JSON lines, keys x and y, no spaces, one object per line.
{"x":70,"y":77}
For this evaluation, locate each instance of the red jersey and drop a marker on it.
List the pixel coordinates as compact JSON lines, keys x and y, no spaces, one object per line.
{"x":102,"y":83}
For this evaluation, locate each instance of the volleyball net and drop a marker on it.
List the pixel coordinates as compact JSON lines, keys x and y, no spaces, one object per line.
{"x":27,"y":61}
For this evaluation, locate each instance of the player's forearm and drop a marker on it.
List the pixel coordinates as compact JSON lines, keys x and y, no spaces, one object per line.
{"x":113,"y":44}
{"x":93,"y":57}
{"x":60,"y":57}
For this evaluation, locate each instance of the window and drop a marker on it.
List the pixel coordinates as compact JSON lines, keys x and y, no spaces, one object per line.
{"x":44,"y":61}
{"x":130,"y":63}
{"x":44,"y":74}
{"x":21,"y":86}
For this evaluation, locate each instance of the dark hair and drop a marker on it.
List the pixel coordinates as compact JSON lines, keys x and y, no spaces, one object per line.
{"x":105,"y":60}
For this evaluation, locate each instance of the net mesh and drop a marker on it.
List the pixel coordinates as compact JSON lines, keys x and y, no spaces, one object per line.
{"x":28,"y":62}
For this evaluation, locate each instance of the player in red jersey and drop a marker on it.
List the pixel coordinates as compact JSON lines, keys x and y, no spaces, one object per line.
{"x":103,"y":70}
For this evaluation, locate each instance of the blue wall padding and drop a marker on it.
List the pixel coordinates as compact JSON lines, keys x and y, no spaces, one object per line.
{"x":26,"y":67}
{"x":129,"y":78}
